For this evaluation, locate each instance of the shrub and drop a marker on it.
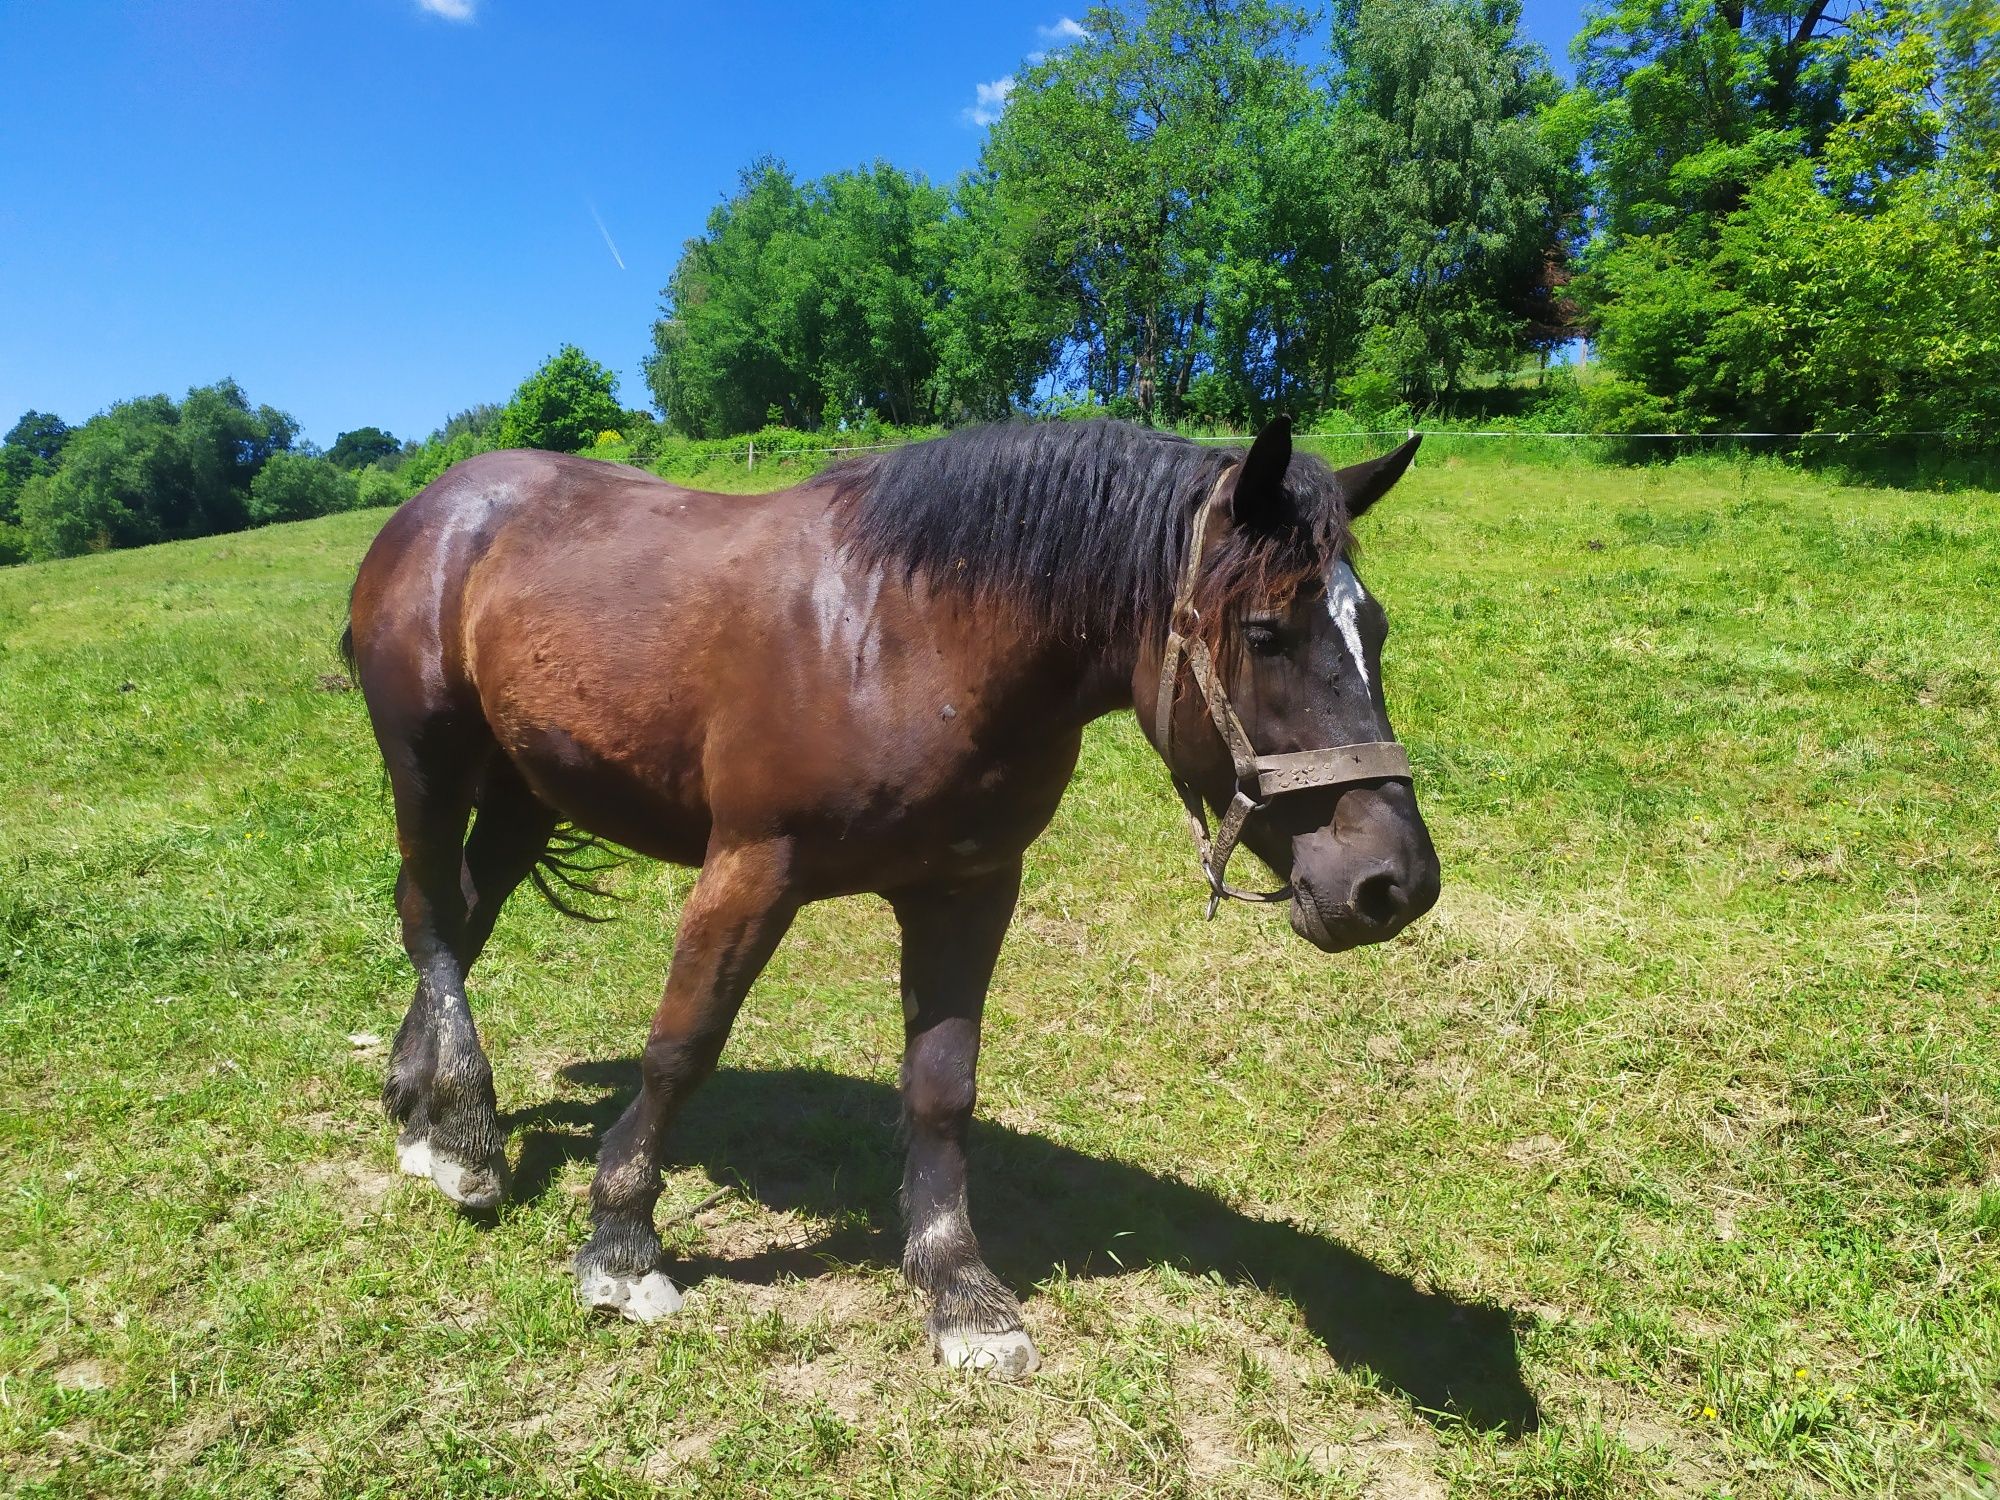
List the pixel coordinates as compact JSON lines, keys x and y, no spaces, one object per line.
{"x":376,"y":486}
{"x":563,"y":406}
{"x":291,"y":487}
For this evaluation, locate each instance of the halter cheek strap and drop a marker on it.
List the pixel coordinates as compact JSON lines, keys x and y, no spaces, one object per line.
{"x":1259,"y":778}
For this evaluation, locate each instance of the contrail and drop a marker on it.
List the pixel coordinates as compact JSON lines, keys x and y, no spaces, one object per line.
{"x":609,"y":243}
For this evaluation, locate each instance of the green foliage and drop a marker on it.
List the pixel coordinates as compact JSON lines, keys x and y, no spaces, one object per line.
{"x":1856,"y":289}
{"x":364,"y":446}
{"x":40,"y":435}
{"x":145,"y":470}
{"x":1692,"y":101}
{"x":435,"y":456}
{"x":562,"y":406}
{"x":995,"y":327}
{"x":480,"y":421}
{"x":32,"y":446}
{"x":227,"y":443}
{"x":1455,"y":198}
{"x":820,"y":301}
{"x":293,"y":487}
{"x":149,"y":470}
{"x":642,"y":432}
{"x":1174,"y":214}
{"x":1160,"y":177}
{"x":379,"y":486}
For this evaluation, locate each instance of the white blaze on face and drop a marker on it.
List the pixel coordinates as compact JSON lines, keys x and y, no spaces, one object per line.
{"x":1343,"y":602}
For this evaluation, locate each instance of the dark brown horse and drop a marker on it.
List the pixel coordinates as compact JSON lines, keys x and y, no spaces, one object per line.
{"x":874,"y":681}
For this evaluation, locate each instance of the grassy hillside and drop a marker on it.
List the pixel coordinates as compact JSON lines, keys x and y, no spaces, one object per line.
{"x":1664,"y":1157}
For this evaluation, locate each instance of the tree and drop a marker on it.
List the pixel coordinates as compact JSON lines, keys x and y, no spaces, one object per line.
{"x":439,"y":454}
{"x":125,"y":480}
{"x":1855,"y":284}
{"x":818,"y":302}
{"x":364,"y":446}
{"x":32,"y":446}
{"x":479,"y":421}
{"x":562,"y":406}
{"x":1696,"y":100}
{"x":41,"y":434}
{"x":1454,"y":200}
{"x":293,"y":487}
{"x":866,"y":285}
{"x":227,"y":442}
{"x":716,"y":367}
{"x":151,"y":470}
{"x":1142,"y":170}
{"x":993,"y":331}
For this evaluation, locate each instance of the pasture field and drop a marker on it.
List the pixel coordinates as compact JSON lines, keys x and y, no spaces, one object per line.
{"x":1663,"y":1158}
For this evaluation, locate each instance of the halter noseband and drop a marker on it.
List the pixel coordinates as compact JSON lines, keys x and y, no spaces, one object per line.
{"x":1259,"y":778}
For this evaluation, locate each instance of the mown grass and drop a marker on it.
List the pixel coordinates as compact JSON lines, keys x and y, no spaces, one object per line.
{"x":1664,"y":1157}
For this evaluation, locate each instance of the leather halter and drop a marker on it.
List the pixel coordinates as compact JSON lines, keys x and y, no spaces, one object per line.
{"x":1259,"y":778}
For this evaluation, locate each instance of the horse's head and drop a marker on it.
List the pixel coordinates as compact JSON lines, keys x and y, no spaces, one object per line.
{"x":1297,"y":648}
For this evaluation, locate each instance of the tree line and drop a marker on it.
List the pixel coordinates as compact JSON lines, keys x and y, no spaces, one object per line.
{"x":1781,"y":216}
{"x":1776,"y":215}
{"x":154,"y":469}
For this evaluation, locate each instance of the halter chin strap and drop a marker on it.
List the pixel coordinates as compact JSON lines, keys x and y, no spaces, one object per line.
{"x":1258,"y":777}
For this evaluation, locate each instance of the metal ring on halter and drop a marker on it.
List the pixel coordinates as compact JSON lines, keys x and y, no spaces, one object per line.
{"x":1259,"y":778}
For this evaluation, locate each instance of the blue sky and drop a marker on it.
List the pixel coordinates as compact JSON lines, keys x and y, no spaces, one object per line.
{"x":383,"y":211}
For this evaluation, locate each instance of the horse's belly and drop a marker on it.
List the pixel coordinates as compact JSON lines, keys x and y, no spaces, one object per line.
{"x":617,"y":801}
{"x":638,"y":785}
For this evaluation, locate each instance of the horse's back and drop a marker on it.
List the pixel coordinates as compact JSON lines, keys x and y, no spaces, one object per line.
{"x":659,"y":664}
{"x":574,"y":611}
{"x":546,"y":515}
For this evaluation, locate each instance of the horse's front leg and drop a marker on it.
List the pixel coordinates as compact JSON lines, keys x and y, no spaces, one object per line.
{"x":951,"y":938}
{"x":733,"y":920}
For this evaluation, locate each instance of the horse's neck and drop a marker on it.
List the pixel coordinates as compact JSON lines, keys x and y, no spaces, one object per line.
{"x":1101,"y":674}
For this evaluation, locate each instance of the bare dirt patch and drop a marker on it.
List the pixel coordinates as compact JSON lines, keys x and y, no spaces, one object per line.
{"x":83,"y":1375}
{"x":359,"y":1188}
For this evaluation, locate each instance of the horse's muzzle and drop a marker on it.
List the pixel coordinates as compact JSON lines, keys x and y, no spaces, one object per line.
{"x":1371,"y":905}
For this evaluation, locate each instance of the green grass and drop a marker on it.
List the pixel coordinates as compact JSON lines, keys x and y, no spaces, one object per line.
{"x":1664,"y":1157}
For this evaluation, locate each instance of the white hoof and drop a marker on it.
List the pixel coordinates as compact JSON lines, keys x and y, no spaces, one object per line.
{"x":474,"y":1187}
{"x":644,"y":1299}
{"x":1005,"y":1356}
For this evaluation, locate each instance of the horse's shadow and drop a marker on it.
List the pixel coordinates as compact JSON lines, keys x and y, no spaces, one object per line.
{"x":820,"y":1142}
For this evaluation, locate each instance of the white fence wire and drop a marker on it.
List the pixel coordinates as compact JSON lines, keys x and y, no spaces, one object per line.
{"x":749,"y":453}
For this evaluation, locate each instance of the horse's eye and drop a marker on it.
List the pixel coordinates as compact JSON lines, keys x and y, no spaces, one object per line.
{"x":1262,"y":638}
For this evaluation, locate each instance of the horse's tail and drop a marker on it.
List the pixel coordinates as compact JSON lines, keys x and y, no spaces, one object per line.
{"x":347,"y":634}
{"x":573,"y":860}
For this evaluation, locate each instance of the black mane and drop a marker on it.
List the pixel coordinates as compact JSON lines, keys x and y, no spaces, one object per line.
{"x":1082,"y":525}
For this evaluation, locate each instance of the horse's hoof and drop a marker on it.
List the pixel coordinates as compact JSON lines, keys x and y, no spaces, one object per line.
{"x":643,"y":1299}
{"x":1004,"y":1356}
{"x":413,"y":1156}
{"x":479,"y":1186}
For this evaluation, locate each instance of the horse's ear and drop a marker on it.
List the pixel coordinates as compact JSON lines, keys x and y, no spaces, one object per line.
{"x":1260,"y":503}
{"x":1361,"y":485}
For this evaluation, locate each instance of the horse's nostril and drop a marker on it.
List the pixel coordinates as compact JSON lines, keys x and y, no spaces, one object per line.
{"x":1375,"y":899}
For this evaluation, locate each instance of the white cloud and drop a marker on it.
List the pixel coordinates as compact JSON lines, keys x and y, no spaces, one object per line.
{"x":1065,"y":30}
{"x":991,"y":100}
{"x":451,"y":10}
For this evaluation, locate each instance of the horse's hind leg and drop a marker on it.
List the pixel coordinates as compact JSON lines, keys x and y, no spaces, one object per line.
{"x":951,"y":939}
{"x":510,"y":833}
{"x":440,"y":1085}
{"x":739,"y":909}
